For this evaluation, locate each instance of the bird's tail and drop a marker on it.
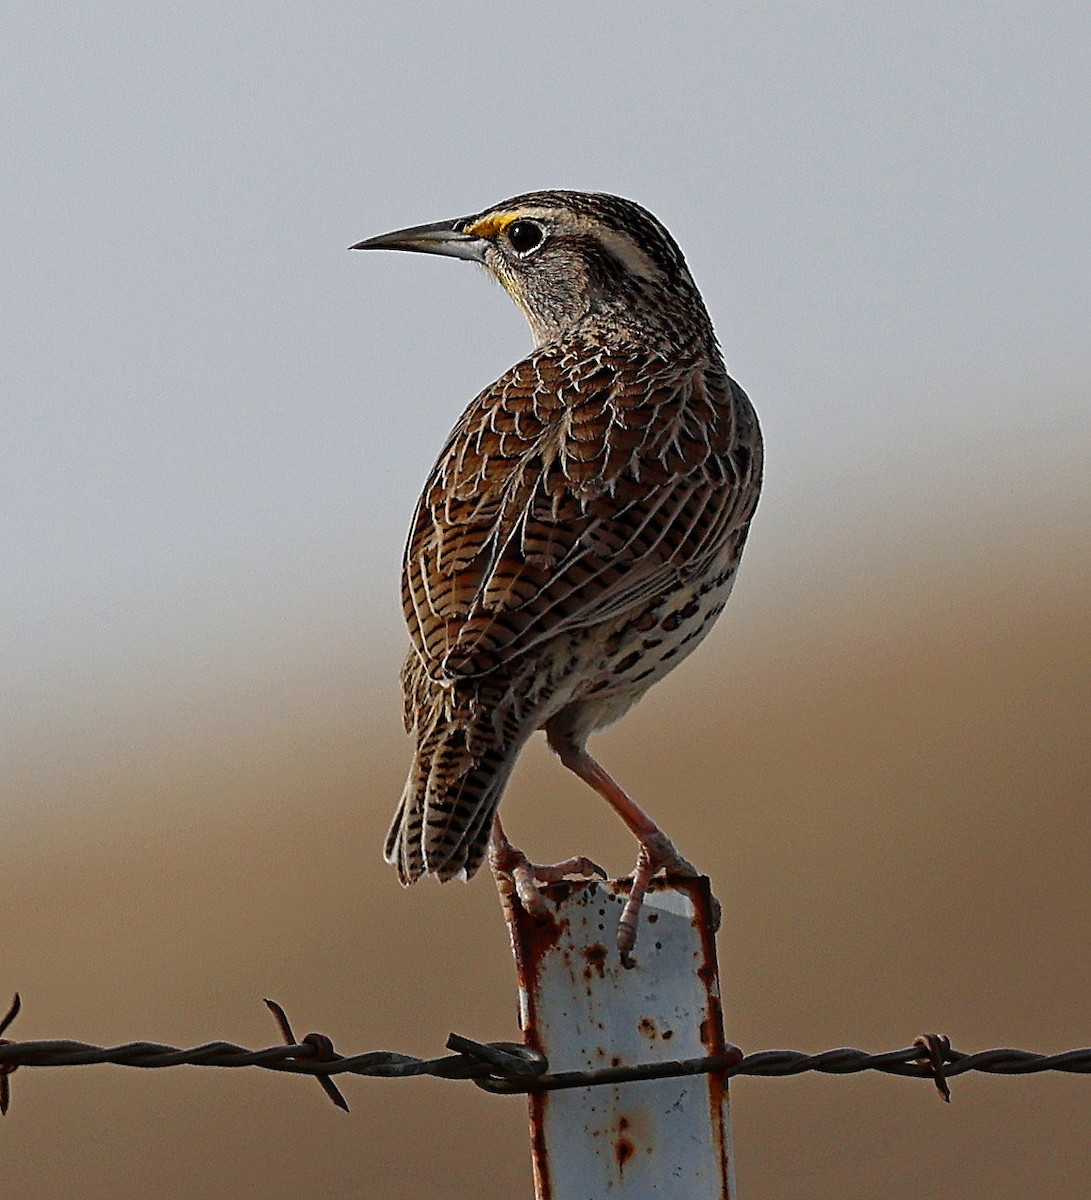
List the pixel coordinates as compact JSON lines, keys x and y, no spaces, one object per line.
{"x":445,"y":815}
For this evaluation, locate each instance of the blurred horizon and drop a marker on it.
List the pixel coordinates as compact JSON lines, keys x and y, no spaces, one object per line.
{"x":894,"y":822}
{"x":215,"y":426}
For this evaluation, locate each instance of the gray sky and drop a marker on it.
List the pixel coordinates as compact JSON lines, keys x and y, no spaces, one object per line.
{"x":215,"y":420}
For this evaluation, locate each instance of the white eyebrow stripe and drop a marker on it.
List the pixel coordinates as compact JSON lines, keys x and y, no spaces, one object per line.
{"x":627,"y":252}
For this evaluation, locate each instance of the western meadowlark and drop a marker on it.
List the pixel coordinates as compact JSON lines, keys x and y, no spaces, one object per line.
{"x":579,"y":533}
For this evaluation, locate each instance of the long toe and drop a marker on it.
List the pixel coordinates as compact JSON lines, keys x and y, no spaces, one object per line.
{"x":516,"y":875}
{"x":578,"y":866}
{"x":657,"y":853}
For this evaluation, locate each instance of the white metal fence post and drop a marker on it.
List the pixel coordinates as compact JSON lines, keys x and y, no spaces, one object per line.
{"x":668,"y":1138}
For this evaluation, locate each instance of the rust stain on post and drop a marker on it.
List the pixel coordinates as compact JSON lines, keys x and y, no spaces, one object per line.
{"x":581,"y":1008}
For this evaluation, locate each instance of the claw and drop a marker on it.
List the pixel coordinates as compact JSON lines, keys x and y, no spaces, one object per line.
{"x":516,"y":875}
{"x":657,"y":853}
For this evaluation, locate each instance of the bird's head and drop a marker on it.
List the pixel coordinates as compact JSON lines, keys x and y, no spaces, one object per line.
{"x":569,"y":258}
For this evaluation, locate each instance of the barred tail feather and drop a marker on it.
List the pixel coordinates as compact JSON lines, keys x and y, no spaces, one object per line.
{"x":444,"y":818}
{"x":400,"y":838}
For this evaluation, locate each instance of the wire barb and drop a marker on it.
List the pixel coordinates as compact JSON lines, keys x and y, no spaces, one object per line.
{"x":510,"y":1068}
{"x":6,"y":1069}
{"x":324,"y":1051}
{"x":935,"y":1049}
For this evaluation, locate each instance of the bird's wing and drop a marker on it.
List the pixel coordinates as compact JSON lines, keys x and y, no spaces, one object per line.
{"x":576,"y":488}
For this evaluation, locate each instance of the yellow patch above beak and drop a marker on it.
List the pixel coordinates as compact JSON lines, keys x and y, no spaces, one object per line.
{"x":490,"y":225}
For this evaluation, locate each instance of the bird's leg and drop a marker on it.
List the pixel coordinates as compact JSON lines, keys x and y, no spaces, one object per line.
{"x":516,"y":874}
{"x":657,"y":852}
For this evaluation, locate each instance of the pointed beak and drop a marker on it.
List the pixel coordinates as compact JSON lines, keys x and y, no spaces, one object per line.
{"x":444,"y":237}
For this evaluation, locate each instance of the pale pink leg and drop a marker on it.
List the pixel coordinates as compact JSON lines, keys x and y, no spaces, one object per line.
{"x":657,"y":852}
{"x":514,"y":873}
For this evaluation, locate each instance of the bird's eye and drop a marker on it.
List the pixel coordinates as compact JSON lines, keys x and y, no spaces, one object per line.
{"x":525,"y":236}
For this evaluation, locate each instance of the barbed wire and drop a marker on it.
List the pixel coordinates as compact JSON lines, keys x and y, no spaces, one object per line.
{"x":510,"y":1068}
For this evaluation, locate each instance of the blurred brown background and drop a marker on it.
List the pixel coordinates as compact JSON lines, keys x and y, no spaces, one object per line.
{"x":214,"y":423}
{"x":885,"y":774}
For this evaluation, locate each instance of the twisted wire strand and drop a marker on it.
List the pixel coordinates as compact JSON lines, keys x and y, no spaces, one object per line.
{"x":509,"y":1067}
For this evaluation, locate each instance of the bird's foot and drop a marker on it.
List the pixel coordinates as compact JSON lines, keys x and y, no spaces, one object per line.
{"x":517,"y":876}
{"x":657,"y":853}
